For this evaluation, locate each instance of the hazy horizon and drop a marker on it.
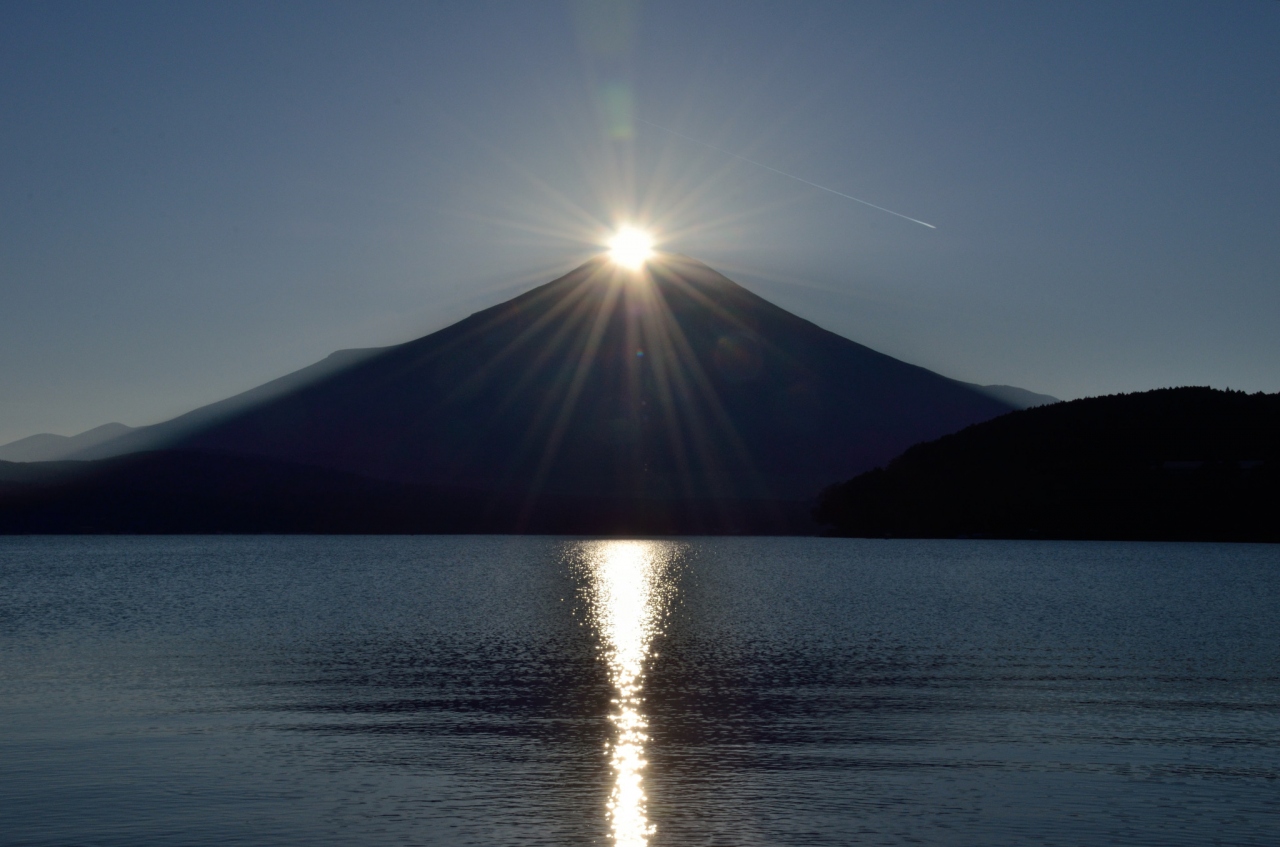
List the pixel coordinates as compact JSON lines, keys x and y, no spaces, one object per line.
{"x":200,"y":199}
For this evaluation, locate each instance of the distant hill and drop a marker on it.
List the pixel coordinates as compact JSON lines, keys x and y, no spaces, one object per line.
{"x":1178,"y":463}
{"x":1018,"y":398}
{"x":47,"y":447}
{"x":674,"y":393}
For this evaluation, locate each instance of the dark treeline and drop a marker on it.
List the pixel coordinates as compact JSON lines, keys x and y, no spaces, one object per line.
{"x":1177,"y":464}
{"x":197,"y":493}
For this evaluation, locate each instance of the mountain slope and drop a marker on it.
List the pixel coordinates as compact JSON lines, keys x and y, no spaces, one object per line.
{"x":1178,"y":463}
{"x":161,"y":435}
{"x":1018,"y":398}
{"x":674,"y":383}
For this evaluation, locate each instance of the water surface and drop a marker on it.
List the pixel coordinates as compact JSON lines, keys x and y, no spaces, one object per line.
{"x":485,"y":690}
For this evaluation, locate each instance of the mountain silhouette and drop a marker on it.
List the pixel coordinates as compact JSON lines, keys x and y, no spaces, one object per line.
{"x":661,"y":391}
{"x":47,"y":447}
{"x":1175,"y":464}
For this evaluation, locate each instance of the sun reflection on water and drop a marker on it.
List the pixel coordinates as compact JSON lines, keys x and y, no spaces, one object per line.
{"x":629,"y":587}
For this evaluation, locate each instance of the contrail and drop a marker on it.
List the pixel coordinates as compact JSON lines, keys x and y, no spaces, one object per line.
{"x":784,"y":173}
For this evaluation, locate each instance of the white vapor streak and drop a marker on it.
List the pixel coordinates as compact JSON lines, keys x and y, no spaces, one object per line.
{"x":784,"y":173}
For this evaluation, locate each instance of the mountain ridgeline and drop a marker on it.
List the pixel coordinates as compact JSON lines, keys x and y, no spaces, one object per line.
{"x":47,"y":447}
{"x":1171,"y":464}
{"x":672,"y":400}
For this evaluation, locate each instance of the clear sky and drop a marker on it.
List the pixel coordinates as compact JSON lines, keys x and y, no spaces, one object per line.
{"x":196,"y":198}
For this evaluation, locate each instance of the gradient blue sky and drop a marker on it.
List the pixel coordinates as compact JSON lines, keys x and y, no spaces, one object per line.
{"x":197,"y":198}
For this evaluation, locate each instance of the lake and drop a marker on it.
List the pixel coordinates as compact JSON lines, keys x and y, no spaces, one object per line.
{"x":710,"y":691}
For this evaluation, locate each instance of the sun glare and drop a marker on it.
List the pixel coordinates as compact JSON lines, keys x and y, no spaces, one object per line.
{"x":631,"y":584}
{"x":631,"y":247}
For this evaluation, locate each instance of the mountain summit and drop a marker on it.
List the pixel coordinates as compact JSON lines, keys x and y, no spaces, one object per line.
{"x":671,"y":385}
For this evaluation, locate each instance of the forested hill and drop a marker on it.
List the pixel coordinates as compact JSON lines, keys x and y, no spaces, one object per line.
{"x":1176,"y":463}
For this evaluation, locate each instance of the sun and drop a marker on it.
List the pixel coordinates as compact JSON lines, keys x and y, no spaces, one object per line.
{"x":631,"y":247}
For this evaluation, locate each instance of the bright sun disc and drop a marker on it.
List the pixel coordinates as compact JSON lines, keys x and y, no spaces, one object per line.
{"x":630,"y":247}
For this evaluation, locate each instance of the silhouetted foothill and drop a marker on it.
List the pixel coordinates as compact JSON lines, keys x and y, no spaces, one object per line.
{"x":1177,"y":463}
{"x":669,"y":399}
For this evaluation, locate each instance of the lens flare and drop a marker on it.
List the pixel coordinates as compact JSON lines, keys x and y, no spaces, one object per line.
{"x":631,"y":247}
